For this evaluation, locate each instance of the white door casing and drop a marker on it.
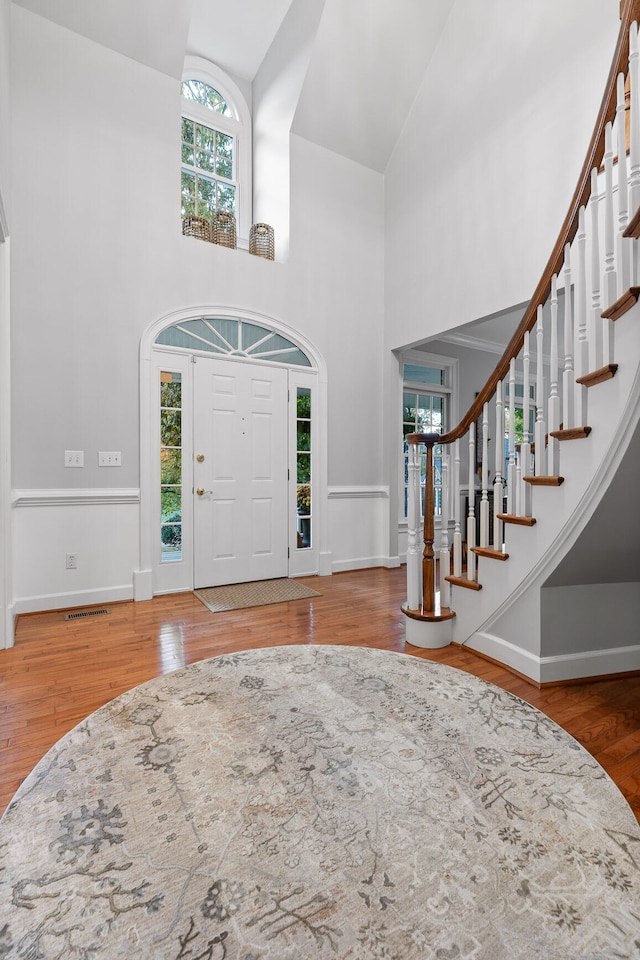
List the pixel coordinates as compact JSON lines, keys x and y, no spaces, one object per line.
{"x":153,"y":577}
{"x":240,"y":472}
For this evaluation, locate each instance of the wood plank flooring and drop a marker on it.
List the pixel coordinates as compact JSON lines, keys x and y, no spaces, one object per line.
{"x":59,"y":671}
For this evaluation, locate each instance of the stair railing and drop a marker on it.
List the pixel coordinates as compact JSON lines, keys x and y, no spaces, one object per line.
{"x":594,"y":265}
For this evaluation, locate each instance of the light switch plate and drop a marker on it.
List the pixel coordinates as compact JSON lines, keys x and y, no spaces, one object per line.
{"x":74,"y":458}
{"x":109,"y":458}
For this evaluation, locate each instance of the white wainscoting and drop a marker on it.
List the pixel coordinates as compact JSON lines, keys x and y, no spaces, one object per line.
{"x":358,"y":522}
{"x":100,"y":526}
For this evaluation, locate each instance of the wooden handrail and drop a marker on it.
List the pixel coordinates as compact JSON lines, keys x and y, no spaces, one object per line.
{"x":630,"y":11}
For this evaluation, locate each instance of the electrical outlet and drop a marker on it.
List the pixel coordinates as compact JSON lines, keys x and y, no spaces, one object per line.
{"x":109,"y":458}
{"x":72,"y":561}
{"x":74,"y":458}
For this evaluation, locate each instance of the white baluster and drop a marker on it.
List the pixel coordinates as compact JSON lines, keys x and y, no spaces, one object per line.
{"x":634,"y":126}
{"x":457,"y":533}
{"x":582,"y":345}
{"x":511,"y":469}
{"x":568,"y":376}
{"x":445,"y":554}
{"x":634,"y":141}
{"x":498,"y":484}
{"x":623,"y":248}
{"x":524,"y":489}
{"x":484,"y":503}
{"x":553,"y":445}
{"x":471,"y":516}
{"x":610,"y":289}
{"x":595,"y":320}
{"x":414,"y":542}
{"x":541,"y":427}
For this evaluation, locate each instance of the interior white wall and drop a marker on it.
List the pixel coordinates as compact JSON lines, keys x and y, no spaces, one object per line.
{"x":5,"y":126}
{"x":590,"y":617}
{"x":492,"y":148}
{"x":98,"y":226}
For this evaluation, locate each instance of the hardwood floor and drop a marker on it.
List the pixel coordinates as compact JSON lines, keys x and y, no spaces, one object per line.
{"x":59,"y":671}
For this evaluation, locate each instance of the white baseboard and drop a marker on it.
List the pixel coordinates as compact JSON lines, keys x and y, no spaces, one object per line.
{"x":81,"y":598}
{"x":363,"y":563}
{"x":570,"y":666}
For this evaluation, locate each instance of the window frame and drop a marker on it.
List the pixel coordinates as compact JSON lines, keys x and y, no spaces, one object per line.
{"x":448,"y":391}
{"x":238,"y":126}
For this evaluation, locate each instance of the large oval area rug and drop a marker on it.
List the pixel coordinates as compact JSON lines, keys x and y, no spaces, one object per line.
{"x":305,"y":802}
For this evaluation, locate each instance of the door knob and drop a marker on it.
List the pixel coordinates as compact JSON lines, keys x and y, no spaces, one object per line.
{"x":200,"y":491}
{"x":200,"y":458}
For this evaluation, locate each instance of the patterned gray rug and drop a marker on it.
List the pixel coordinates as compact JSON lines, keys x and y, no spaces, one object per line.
{"x":256,"y":594}
{"x":319,"y":802}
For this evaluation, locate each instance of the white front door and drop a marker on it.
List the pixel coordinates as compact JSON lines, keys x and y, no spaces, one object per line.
{"x":240,"y":472}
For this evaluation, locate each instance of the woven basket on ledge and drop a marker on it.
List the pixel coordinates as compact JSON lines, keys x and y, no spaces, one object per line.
{"x":224,"y":229}
{"x":261,"y":241}
{"x":198,"y":227}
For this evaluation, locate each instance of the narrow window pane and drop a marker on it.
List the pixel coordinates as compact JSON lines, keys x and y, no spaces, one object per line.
{"x":171,"y":393}
{"x":409,"y":407}
{"x":171,"y":537}
{"x":304,"y":435}
{"x":171,"y":504}
{"x":205,"y":161}
{"x":303,"y":464}
{"x":226,"y":197}
{"x":187,"y":154}
{"x":304,"y":403}
{"x":187,"y":130}
{"x":206,"y":138}
{"x":224,"y":145}
{"x":170,"y":428}
{"x":170,"y":466}
{"x":303,"y":499}
{"x":188,"y":194}
{"x":206,"y":190}
{"x":224,"y":167}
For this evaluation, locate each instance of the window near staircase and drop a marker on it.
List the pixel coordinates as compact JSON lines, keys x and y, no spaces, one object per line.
{"x":427,"y":385}
{"x":171,"y":465}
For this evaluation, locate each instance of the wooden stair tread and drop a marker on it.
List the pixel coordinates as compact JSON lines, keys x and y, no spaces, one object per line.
{"x":463,"y":582}
{"x":598,"y":376}
{"x":443,"y":613}
{"x":571,"y":433}
{"x":514,"y":518}
{"x":544,"y":481}
{"x":622,"y":304}
{"x":490,"y":554}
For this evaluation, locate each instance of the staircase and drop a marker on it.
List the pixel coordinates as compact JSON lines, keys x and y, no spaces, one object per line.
{"x":571,"y":378}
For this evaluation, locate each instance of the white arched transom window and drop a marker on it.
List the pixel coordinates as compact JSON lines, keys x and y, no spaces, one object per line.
{"x":215,"y":145}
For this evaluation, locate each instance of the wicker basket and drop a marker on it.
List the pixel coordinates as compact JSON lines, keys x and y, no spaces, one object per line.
{"x":224,"y":229}
{"x":198,"y":227}
{"x":261,"y":241}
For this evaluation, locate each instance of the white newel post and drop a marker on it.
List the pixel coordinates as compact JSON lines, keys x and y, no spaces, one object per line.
{"x":498,"y":485}
{"x":445,"y":554}
{"x":595,"y":320}
{"x":553,"y":445}
{"x":540,"y":427}
{"x":457,"y":532}
{"x":623,"y":247}
{"x":568,"y":406}
{"x":471,"y":516}
{"x":414,"y":530}
{"x":484,"y":503}
{"x":582,"y":345}
{"x":511,"y":469}
{"x":610,"y":284}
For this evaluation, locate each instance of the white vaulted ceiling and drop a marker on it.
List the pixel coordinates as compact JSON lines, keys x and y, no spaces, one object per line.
{"x":366,"y":64}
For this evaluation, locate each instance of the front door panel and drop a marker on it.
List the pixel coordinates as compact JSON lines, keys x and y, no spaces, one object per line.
{"x":240,"y":472}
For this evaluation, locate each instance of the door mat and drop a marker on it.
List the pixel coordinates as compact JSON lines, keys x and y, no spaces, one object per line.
{"x":238,"y":595}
